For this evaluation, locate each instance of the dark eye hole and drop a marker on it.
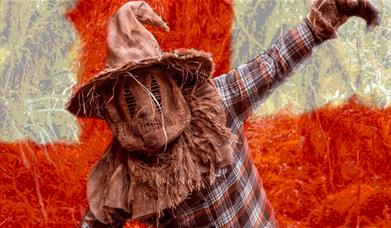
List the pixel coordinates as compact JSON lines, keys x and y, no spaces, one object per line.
{"x":182,"y":82}
{"x":179,"y":81}
{"x":129,"y":99}
{"x":155,"y":90}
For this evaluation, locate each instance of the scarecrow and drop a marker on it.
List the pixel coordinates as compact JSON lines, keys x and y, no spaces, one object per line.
{"x":178,"y":157}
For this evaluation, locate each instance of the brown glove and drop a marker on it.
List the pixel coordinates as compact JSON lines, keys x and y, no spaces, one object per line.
{"x":326,"y":16}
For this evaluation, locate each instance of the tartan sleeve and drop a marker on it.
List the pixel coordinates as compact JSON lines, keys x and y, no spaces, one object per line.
{"x":244,"y":88}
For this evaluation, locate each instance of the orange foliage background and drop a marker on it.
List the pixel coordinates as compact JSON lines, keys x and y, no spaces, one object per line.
{"x":328,"y":167}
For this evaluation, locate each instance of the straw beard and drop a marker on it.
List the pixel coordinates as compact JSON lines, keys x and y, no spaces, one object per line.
{"x":143,"y":186}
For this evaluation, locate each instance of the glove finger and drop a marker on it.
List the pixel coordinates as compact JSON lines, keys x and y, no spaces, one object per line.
{"x":370,"y":13}
{"x":362,"y":8}
{"x":347,"y":6}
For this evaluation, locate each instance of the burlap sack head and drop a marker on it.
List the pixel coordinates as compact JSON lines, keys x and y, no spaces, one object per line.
{"x":146,"y":110}
{"x":143,"y":183}
{"x":132,"y":47}
{"x":168,"y":122}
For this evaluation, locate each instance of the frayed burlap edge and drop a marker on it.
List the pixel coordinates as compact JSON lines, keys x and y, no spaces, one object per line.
{"x":86,"y":98}
{"x":121,"y":181}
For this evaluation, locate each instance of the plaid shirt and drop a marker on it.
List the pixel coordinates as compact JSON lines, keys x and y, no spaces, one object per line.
{"x":237,"y":198}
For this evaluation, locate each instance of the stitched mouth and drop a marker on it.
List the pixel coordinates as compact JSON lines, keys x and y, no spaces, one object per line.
{"x":148,"y":136}
{"x":143,"y":127}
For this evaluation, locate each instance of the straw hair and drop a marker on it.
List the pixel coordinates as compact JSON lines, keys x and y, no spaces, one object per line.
{"x":131,"y":47}
{"x":142,"y":185}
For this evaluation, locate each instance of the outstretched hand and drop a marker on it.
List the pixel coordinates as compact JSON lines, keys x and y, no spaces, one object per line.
{"x":326,"y":16}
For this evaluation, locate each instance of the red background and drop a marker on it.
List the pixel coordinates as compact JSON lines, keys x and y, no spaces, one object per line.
{"x":328,"y":167}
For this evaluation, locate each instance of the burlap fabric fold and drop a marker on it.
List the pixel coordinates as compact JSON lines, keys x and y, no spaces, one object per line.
{"x":144,"y":186}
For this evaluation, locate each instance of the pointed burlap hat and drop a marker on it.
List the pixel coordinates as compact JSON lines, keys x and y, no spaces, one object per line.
{"x":132,"y":47}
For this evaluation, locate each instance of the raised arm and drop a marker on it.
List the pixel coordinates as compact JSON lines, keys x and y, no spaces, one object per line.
{"x":244,"y":88}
